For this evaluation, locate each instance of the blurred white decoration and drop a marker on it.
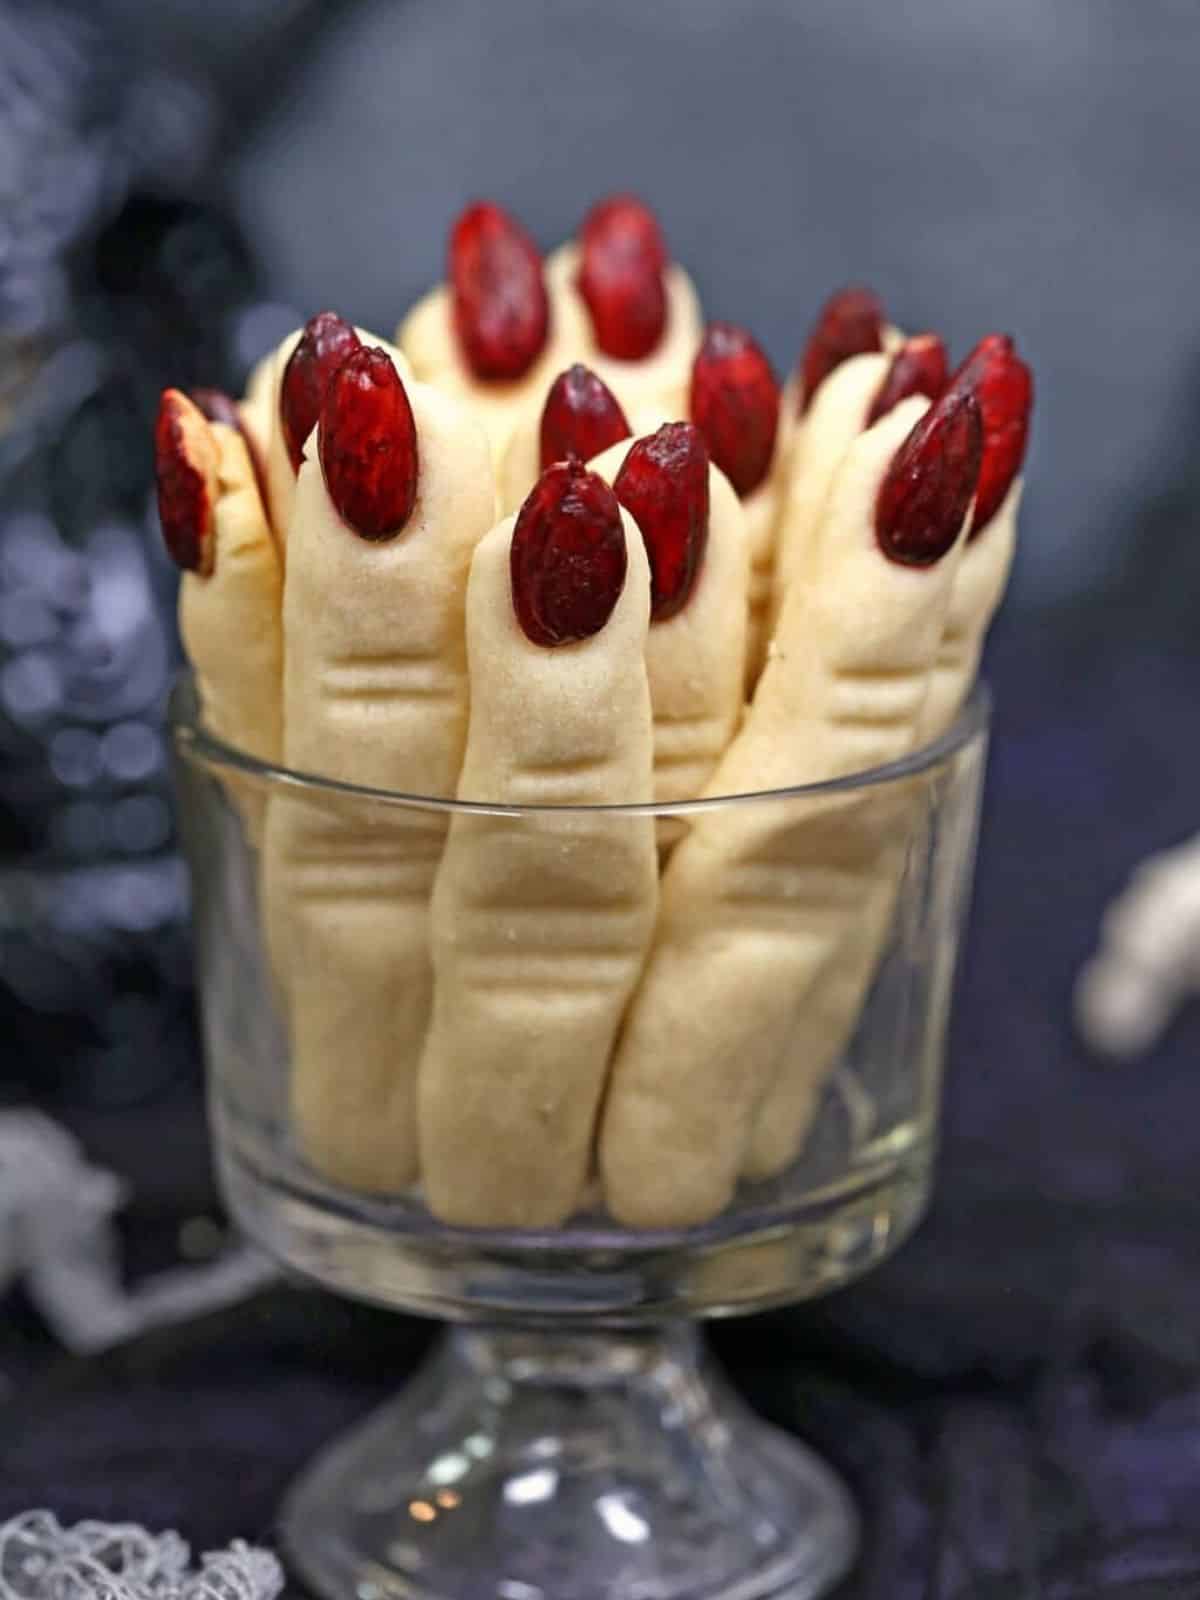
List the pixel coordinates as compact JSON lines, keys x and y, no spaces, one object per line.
{"x":41,"y":1560}
{"x":56,"y":1234}
{"x":1148,"y":963}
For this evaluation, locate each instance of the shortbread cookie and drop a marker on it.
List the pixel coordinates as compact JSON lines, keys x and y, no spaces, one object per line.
{"x":229,"y":596}
{"x":748,"y":893}
{"x":283,"y":399}
{"x":492,"y":335}
{"x":734,"y":401}
{"x":856,"y":393}
{"x":852,"y":322}
{"x":642,"y":308}
{"x":390,"y":503}
{"x":580,"y":416}
{"x":691,"y":522}
{"x":541,"y":922}
{"x":1002,"y":384}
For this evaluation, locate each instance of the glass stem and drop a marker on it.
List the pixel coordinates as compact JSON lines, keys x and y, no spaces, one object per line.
{"x":580,"y":1356}
{"x":576,"y":1463}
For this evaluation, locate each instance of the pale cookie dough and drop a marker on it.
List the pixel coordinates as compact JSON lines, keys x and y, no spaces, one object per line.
{"x":824,"y":1023}
{"x":830,"y":1015}
{"x":260,"y":416}
{"x":695,"y":659}
{"x":660,"y":380}
{"x":521,"y":466}
{"x":798,"y":519}
{"x":762,"y":508}
{"x":830,"y":426}
{"x":540,"y":923}
{"x":979,"y":587}
{"x":750,"y":894}
{"x":231,"y":626}
{"x":375,"y":693}
{"x":428,"y":340}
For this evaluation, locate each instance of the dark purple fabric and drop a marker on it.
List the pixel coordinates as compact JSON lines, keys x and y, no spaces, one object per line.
{"x":1015,"y":1398}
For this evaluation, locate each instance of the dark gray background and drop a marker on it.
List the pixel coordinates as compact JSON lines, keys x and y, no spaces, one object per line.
{"x":1015,"y":1398}
{"x":1030,"y":165}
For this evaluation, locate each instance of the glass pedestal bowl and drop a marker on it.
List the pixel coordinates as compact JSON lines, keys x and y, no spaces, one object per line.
{"x":567,"y":1440}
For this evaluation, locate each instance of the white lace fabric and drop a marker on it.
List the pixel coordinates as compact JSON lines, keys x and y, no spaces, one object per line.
{"x":42,"y":1560}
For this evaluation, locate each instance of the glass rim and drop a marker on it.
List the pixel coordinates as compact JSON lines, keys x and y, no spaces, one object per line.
{"x":200,"y":746}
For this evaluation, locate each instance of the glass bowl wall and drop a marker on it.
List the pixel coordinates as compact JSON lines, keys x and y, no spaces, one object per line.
{"x":858,"y":1186}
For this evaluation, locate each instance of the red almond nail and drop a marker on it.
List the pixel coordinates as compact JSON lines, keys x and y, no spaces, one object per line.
{"x":627,"y":223}
{"x":218,"y":407}
{"x":581,"y":417}
{"x":850,"y":323}
{"x":568,"y":556}
{"x":735,"y":403}
{"x":185,"y":467}
{"x":501,"y":311}
{"x":918,"y":367}
{"x":368,"y":445}
{"x":928,"y":486}
{"x":324,"y":345}
{"x":1003,"y":385}
{"x":663,"y":484}
{"x":622,"y":260}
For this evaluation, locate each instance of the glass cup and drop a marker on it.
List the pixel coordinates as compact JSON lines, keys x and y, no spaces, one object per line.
{"x":567,"y":1439}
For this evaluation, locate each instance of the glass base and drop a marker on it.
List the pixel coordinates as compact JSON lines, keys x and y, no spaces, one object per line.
{"x":537,"y":1465}
{"x":783,"y":1241}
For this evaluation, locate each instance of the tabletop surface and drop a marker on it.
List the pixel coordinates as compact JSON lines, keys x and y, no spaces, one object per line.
{"x":1015,"y":1395}
{"x":1014,"y":1398}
